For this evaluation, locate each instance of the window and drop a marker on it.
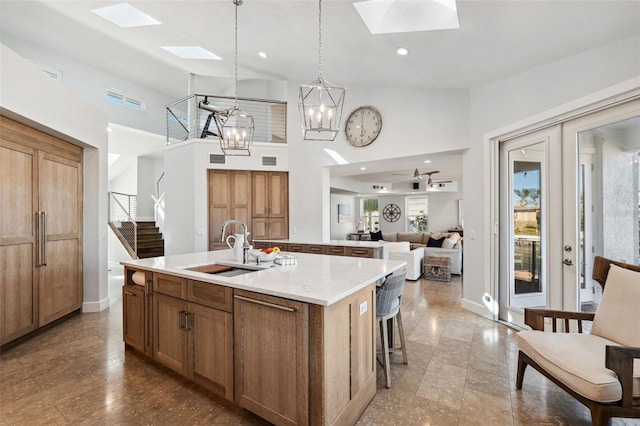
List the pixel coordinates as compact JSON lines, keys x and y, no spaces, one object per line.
{"x":118,"y":98}
{"x":370,"y":214}
{"x":417,"y":214}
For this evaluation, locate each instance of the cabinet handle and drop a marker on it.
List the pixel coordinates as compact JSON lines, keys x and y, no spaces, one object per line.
{"x":186,"y":320}
{"x":128,"y":293}
{"x":44,"y":238}
{"x":260,"y":302}
{"x":38,"y":240}
{"x":147,"y":288}
{"x":182,"y":314}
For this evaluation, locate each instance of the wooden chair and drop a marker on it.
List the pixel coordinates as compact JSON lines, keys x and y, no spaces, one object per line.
{"x":597,"y":369}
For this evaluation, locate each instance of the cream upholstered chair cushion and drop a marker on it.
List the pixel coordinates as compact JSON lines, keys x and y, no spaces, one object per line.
{"x":618,"y":316}
{"x":577,"y":360}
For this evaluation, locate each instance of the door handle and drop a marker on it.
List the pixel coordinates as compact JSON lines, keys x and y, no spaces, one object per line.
{"x":43,"y":247}
{"x":38,"y":240}
{"x":181,"y":315}
{"x":128,"y":293}
{"x":568,"y":262}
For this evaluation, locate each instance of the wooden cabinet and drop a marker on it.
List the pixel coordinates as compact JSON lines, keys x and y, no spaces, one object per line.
{"x":193,"y":339}
{"x":229,"y":198}
{"x":133,"y":316}
{"x":270,"y":205}
{"x":40,"y":229}
{"x":330,"y":249}
{"x":271,"y":338}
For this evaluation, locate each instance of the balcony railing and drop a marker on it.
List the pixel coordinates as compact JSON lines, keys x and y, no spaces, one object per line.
{"x":192,"y":118}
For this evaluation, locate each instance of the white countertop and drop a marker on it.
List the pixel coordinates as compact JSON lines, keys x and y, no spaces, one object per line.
{"x":317,"y":279}
{"x":348,"y":243}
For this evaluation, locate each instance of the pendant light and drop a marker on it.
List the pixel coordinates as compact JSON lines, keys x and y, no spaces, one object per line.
{"x":235,"y":127}
{"x":320,"y":102}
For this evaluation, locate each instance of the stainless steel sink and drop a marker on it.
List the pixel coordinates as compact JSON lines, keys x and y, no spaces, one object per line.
{"x":224,"y":270}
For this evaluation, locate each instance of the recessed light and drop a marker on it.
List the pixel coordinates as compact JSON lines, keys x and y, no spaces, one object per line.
{"x":363,"y":168}
{"x":109,"y":130}
{"x":427,"y":161}
{"x":125,"y":16}
{"x":402,"y":51}
{"x":191,"y":52}
{"x":263,"y":55}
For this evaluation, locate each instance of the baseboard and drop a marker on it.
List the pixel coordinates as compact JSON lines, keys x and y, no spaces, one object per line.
{"x":95,"y":306}
{"x":476,"y":308}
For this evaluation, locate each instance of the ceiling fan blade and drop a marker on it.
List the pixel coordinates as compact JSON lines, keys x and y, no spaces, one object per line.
{"x":443,"y":181}
{"x":431,"y":173}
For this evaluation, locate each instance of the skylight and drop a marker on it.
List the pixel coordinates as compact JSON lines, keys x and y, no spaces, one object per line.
{"x":191,"y":52}
{"x":402,"y":16}
{"x":125,"y":16}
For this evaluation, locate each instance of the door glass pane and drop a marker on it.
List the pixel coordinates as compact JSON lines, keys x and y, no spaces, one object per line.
{"x":608,"y":205}
{"x":527,"y":283}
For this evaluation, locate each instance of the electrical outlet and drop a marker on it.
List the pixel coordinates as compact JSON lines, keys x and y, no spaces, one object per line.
{"x":363,"y":307}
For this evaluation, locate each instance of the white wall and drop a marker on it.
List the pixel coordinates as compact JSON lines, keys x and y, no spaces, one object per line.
{"x":339,"y":231}
{"x":91,"y":84}
{"x":31,"y":97}
{"x":145,"y":188}
{"x":540,"y":92}
{"x":443,"y":210}
{"x":414,"y":122}
{"x":186,"y":165}
{"x":127,"y":181}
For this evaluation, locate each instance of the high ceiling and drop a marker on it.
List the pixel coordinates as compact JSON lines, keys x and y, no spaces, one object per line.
{"x":496,"y":39}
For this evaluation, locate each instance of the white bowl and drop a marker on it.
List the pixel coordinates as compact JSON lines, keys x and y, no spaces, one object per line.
{"x":264,"y":257}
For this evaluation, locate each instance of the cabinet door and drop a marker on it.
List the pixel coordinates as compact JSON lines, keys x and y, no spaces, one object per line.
{"x":18,"y":273}
{"x":133,"y":316}
{"x":277,"y":228}
{"x":278,"y":195}
{"x":60,"y":284}
{"x":271,"y":342}
{"x":240,"y":208}
{"x":219,"y":201}
{"x":169,"y":334}
{"x":211,"y":349}
{"x":260,"y":194}
{"x":259,"y":228}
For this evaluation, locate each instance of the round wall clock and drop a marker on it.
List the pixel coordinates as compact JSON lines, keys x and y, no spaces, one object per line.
{"x":363,"y":126}
{"x":391,"y":212}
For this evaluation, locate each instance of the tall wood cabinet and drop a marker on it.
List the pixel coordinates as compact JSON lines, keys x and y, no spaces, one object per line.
{"x":258,"y":198}
{"x":40,"y":229}
{"x":270,"y":205}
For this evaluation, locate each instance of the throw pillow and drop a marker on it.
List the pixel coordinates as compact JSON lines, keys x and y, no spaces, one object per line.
{"x":435,"y":243}
{"x":448,"y":243}
{"x":376,"y":236}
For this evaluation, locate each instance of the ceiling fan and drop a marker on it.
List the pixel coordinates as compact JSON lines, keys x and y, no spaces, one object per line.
{"x":418,"y":176}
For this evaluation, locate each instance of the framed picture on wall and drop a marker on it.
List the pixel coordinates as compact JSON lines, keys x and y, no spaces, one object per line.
{"x":344,"y":213}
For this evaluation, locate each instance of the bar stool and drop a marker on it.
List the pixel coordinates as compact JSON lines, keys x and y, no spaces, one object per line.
{"x":388,"y":298}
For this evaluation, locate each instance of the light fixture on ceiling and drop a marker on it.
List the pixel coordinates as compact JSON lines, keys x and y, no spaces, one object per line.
{"x":320,"y":102}
{"x":235,"y":127}
{"x":427,"y":161}
{"x":402,"y":51}
{"x":363,"y":168}
{"x":263,"y":55}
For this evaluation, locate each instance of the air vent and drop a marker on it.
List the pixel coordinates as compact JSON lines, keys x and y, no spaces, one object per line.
{"x":269,"y":160}
{"x":217,"y":159}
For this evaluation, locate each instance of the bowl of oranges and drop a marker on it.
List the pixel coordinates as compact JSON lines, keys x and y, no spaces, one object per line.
{"x":265,"y":254}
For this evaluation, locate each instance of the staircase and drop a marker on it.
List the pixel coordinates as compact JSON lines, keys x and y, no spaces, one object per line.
{"x":150,"y":241}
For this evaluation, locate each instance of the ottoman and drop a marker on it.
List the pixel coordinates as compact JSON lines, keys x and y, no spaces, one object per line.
{"x":437,"y":268}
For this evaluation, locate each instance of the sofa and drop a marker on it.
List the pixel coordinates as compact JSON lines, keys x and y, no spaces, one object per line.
{"x":443,"y":244}
{"x":401,"y":250}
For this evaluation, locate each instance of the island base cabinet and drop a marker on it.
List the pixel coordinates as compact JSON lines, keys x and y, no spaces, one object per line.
{"x":133,"y":316}
{"x":271,"y":343}
{"x":195,"y":341}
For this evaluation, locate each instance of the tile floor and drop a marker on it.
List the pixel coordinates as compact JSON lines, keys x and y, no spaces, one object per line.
{"x":461,"y":371}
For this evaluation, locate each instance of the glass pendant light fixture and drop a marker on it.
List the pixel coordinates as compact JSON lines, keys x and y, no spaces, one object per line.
{"x":235,"y":127}
{"x":320,"y":102}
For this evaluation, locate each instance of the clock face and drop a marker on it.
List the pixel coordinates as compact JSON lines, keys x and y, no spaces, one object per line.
{"x":363,"y":126}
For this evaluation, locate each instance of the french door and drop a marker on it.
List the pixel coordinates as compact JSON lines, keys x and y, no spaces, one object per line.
{"x":567,"y":193}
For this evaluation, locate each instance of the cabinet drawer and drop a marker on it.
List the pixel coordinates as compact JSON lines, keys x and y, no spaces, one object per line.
{"x":315,"y":249}
{"x":170,"y":285}
{"x":261,"y":244}
{"x":296,"y":247}
{"x":213,"y":295}
{"x":336,"y":251}
{"x":360,"y":252}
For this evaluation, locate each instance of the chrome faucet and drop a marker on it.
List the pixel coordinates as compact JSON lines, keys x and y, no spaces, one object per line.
{"x":245,"y":244}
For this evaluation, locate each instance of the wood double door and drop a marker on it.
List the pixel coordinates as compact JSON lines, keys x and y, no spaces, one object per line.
{"x":40,"y":229}
{"x":258,"y":198}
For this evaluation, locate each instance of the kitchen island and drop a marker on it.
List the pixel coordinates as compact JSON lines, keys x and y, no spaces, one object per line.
{"x":294,"y":344}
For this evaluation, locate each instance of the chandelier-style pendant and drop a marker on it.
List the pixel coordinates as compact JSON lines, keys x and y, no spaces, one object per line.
{"x":320,"y":104}
{"x":235,"y":131}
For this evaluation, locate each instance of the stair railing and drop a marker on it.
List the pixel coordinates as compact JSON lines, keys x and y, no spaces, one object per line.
{"x":117,"y":212}
{"x":158,"y":211}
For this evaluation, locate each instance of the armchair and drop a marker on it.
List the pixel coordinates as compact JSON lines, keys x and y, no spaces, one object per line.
{"x":601,"y":369}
